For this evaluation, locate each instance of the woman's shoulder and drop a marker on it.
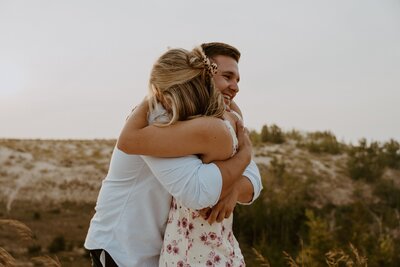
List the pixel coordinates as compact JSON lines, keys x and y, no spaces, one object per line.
{"x":210,"y":127}
{"x":203,"y":122}
{"x":216,"y":137}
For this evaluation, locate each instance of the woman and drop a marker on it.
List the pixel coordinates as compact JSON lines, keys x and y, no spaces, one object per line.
{"x":129,"y":221}
{"x":189,"y":239}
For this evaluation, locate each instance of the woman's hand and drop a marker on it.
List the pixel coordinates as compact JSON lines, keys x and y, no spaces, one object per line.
{"x":223,"y":209}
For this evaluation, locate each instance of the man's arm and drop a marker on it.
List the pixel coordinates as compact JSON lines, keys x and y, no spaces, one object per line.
{"x":244,"y":191}
{"x":195,"y":184}
{"x":251,"y":173}
{"x":191,"y":182}
{"x":252,"y":177}
{"x":245,"y":195}
{"x":199,"y":185}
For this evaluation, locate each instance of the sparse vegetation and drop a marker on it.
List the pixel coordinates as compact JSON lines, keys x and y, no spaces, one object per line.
{"x":47,"y":261}
{"x":391,"y":154}
{"x":272,"y":134}
{"x":319,"y":196}
{"x":365,"y":161}
{"x":294,"y":135}
{"x":25,"y":234}
{"x":255,"y":138}
{"x":322,"y":142}
{"x":295,"y":215}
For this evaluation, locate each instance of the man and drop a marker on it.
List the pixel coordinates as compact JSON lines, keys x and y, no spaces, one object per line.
{"x":226,"y":81}
{"x":131,"y":213}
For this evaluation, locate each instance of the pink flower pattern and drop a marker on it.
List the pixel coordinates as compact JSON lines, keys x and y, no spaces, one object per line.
{"x":189,"y":241}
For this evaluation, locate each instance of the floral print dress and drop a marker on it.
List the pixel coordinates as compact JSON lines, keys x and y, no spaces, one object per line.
{"x":191,"y":241}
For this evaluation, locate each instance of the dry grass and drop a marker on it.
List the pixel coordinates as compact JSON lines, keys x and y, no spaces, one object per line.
{"x":260,"y":258}
{"x":290,"y":261}
{"x":335,"y":257}
{"x":47,"y":261}
{"x":6,"y":259}
{"x":24,"y":232}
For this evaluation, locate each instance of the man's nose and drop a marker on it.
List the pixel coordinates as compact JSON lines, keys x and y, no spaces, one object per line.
{"x":234,"y":86}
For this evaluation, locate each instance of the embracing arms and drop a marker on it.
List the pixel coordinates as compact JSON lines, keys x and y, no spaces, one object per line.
{"x":196,"y":184}
{"x":207,"y":137}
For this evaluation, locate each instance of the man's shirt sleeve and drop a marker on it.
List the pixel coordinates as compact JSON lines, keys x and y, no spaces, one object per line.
{"x":253,"y":174}
{"x":191,"y":182}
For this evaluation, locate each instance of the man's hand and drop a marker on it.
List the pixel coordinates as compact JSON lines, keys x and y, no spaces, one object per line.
{"x":223,"y":209}
{"x":245,"y":146}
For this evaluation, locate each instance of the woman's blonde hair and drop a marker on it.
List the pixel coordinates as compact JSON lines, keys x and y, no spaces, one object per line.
{"x":182,"y":81}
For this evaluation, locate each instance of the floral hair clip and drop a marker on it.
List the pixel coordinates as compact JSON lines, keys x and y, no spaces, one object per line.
{"x":210,"y":67}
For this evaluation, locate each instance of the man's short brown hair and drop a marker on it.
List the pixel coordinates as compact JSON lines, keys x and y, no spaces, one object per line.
{"x":220,"y":49}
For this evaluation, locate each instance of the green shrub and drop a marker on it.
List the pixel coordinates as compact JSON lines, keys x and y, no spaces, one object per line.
{"x":322,"y":142}
{"x":264,"y":134}
{"x":276,"y":135}
{"x":272,"y":134}
{"x":319,"y":238}
{"x":365,"y":162}
{"x":276,"y":221}
{"x":391,"y":154}
{"x":255,"y":137}
{"x":278,"y":168}
{"x":387,"y":191}
{"x":294,"y":135}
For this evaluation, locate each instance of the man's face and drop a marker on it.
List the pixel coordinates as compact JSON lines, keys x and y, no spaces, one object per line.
{"x":227,"y":78}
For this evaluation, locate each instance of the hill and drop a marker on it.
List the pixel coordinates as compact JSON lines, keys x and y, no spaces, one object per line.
{"x":319,"y":195}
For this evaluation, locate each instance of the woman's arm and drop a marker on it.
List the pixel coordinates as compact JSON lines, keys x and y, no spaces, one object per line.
{"x":206,"y":136}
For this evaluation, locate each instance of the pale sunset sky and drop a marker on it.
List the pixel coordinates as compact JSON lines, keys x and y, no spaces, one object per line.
{"x":74,"y":69}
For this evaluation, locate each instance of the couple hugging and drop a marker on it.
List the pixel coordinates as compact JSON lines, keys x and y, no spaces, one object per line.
{"x":181,"y":164}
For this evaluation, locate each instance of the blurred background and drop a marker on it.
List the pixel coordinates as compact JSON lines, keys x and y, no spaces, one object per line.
{"x":319,"y":89}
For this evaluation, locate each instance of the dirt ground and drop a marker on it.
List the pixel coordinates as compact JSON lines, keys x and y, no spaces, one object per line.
{"x":67,"y":221}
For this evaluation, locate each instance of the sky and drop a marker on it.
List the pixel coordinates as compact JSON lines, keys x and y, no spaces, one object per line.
{"x":74,"y":69}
